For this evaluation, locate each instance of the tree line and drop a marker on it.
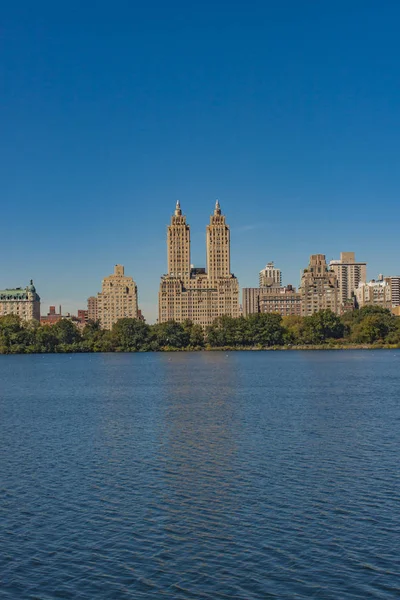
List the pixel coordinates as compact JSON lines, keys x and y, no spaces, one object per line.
{"x":369,"y":325}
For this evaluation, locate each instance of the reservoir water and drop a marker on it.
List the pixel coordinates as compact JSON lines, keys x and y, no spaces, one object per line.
{"x":211,"y":475}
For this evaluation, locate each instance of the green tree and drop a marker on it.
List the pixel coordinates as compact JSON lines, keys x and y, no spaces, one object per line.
{"x":130,"y":335}
{"x":170,"y":334}
{"x":264,"y":329}
{"x":66,"y":332}
{"x":322,"y":326}
{"x":195,"y":334}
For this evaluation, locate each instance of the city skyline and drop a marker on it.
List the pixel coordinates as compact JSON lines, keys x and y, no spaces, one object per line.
{"x":180,"y":265}
{"x":252,"y":275}
{"x":287,"y":113}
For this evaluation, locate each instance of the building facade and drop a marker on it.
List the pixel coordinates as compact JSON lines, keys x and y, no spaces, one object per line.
{"x":118,"y":299}
{"x":395,"y":283}
{"x":377,"y":293}
{"x":349,"y":275}
{"x":52,"y":316}
{"x":319,"y":287}
{"x":270,"y":276}
{"x":23,"y":302}
{"x":92,"y":308}
{"x":198,"y":294}
{"x":283,"y":300}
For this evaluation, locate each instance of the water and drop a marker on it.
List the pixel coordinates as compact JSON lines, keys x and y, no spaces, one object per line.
{"x":200,"y":475}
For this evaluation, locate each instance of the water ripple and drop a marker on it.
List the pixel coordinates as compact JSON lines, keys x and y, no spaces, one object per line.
{"x":193,"y":476}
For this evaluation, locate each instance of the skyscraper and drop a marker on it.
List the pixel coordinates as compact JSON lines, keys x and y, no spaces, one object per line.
{"x":395,"y":285}
{"x":349,"y":274}
{"x":319,"y":287}
{"x":270,"y":276}
{"x":117,"y":299}
{"x":198,"y":294}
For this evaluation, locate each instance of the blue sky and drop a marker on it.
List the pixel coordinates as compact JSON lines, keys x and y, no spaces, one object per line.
{"x":288,"y":112}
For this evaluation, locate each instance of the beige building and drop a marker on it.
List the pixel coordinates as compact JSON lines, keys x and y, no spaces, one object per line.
{"x":349,"y":274}
{"x":117,"y":300}
{"x":270,"y":276}
{"x":283,"y":300}
{"x":198,"y":294}
{"x":319,"y":287}
{"x":395,"y":283}
{"x":23,"y":302}
{"x":92,"y":308}
{"x":378,"y":293}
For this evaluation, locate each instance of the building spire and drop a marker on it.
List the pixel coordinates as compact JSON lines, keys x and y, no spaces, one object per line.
{"x":217,"y":210}
{"x":178,"y":211}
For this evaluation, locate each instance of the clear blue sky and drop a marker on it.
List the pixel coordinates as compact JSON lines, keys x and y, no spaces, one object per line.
{"x":288,"y":112}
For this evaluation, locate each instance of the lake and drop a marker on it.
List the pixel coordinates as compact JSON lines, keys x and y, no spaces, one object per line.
{"x":215,"y":475}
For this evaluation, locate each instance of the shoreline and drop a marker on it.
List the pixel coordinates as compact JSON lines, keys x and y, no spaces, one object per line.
{"x":291,"y":348}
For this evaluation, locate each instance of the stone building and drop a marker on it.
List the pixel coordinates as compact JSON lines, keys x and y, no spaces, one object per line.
{"x":378,"y":293}
{"x":198,"y":294}
{"x":270,"y":276}
{"x":283,"y":300}
{"x":23,"y":302}
{"x":319,"y":287}
{"x":395,"y":283}
{"x":92,"y":308}
{"x":349,"y":275}
{"x":117,"y":300}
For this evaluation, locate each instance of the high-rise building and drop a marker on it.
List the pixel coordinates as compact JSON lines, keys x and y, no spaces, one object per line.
{"x":117,"y":299}
{"x":377,"y":293}
{"x":198,"y":294}
{"x":283,"y":300}
{"x":395,"y":283}
{"x":92,"y":308}
{"x":270,"y":276}
{"x":319,"y":287}
{"x":23,"y":302}
{"x":349,"y":274}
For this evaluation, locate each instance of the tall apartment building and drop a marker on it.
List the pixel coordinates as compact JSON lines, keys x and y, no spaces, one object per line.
{"x":378,"y":293}
{"x":198,"y":294}
{"x":92,"y":308}
{"x":319,"y":287}
{"x":270,"y":276}
{"x":283,"y":300}
{"x":349,"y":274}
{"x":117,"y":300}
{"x":395,"y":283}
{"x":24,"y":302}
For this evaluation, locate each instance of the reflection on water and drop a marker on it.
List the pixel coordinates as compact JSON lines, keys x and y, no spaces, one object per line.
{"x":209,"y":475}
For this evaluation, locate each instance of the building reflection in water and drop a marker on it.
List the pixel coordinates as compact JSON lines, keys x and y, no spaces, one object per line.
{"x":198,"y":443}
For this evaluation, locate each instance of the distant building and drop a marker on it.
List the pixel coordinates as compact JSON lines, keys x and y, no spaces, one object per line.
{"x":377,"y":293}
{"x":319,"y":287}
{"x":24,"y":302}
{"x":270,"y":276}
{"x":82,"y":316}
{"x":198,"y":294}
{"x":283,"y":300}
{"x":349,"y":275}
{"x":92,"y":308}
{"x":395,"y":283}
{"x":52,"y":316}
{"x":117,"y":300}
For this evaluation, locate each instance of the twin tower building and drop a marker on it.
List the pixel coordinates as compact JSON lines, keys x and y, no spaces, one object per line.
{"x":186,"y":292}
{"x":198,"y":294}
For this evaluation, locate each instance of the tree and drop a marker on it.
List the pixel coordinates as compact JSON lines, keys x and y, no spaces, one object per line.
{"x":195,"y":333}
{"x":130,"y":335}
{"x":66,"y":332}
{"x":170,"y":334}
{"x":264,"y":329}
{"x":321,"y":326}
